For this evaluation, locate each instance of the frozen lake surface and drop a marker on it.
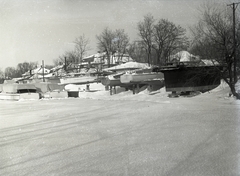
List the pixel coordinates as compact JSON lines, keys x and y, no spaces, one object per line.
{"x":123,"y":134}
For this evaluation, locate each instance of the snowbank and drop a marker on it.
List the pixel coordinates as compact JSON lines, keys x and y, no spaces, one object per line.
{"x":222,"y":91}
{"x":122,"y":94}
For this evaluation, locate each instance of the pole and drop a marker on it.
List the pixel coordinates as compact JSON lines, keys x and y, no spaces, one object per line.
{"x":43,"y":70}
{"x":234,"y":7}
{"x":65,"y":63}
{"x":234,"y":45}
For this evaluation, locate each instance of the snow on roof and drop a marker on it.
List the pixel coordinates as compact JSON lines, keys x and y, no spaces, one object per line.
{"x":93,"y":56}
{"x":38,"y":70}
{"x":209,"y":62}
{"x":56,"y":68}
{"x":184,"y":56}
{"x":128,"y":66}
{"x":114,"y":58}
{"x":14,"y":87}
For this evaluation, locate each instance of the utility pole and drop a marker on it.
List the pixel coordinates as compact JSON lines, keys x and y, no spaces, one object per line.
{"x":43,"y":70}
{"x":65,"y":64}
{"x":234,"y":7}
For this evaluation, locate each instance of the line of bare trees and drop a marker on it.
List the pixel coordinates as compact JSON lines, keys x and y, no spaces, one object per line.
{"x":11,"y":72}
{"x":211,"y":38}
{"x":160,"y":39}
{"x":75,"y":56}
{"x":157,"y":41}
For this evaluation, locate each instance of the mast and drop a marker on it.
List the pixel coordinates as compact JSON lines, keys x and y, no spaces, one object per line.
{"x":43,"y":70}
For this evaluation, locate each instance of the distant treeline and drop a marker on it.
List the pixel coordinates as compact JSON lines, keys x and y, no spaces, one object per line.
{"x":210,"y":38}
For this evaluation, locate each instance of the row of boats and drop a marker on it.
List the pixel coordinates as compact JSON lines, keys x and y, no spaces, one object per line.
{"x":42,"y":85}
{"x":36,"y":90}
{"x":178,"y":77}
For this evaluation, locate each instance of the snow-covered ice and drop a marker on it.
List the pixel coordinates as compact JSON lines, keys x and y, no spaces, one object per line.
{"x":122,"y":134}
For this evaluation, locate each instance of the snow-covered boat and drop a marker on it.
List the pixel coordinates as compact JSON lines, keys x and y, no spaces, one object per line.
{"x":50,"y":90}
{"x":140,"y":77}
{"x":78,"y":79}
{"x":108,"y":81}
{"x":112,"y":80}
{"x":16,"y":91}
{"x":127,"y":67}
{"x":186,"y":73}
{"x":191,"y":78}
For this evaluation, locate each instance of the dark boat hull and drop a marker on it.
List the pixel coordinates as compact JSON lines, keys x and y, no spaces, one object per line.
{"x":191,"y":78}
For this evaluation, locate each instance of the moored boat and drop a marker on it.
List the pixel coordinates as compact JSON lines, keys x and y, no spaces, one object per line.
{"x":78,"y":79}
{"x":140,"y":77}
{"x":183,"y":78}
{"x":188,"y":73}
{"x":14,"y":91}
{"x":50,"y":90}
{"x":112,"y":80}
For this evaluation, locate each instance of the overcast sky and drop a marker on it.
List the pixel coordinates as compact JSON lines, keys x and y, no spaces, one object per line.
{"x":36,"y":30}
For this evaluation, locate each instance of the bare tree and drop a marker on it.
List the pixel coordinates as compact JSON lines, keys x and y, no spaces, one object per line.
{"x":81,"y":47}
{"x":120,"y":42}
{"x":137,"y":52}
{"x":213,"y":38}
{"x":167,"y":38}
{"x":111,"y":41}
{"x":75,"y":56}
{"x":1,"y":76}
{"x":58,"y":61}
{"x":25,"y":67}
{"x":105,"y":43}
{"x":69,"y":60}
{"x":10,"y":72}
{"x":68,"y":56}
{"x":145,"y":29}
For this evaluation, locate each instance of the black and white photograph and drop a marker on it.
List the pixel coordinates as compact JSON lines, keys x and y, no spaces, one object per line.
{"x":119,"y":87}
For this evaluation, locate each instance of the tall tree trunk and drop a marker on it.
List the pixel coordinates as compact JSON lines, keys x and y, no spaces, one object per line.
{"x":231,"y":85}
{"x":233,"y":90}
